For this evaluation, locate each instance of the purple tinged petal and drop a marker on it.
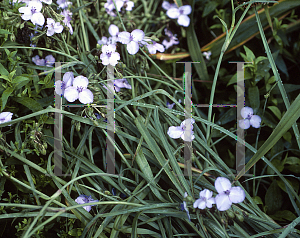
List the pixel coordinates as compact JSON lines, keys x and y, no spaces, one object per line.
{"x":137,"y":35}
{"x":222,"y":184}
{"x":71,"y":94}
{"x":244,"y":123}
{"x":166,"y":5}
{"x":170,"y":106}
{"x":201,"y":204}
{"x":132,"y":47}
{"x":80,"y":81}
{"x":247,"y":112}
{"x":237,"y":194}
{"x":38,"y":18}
{"x":210,"y":202}
{"x":49,"y":60}
{"x":206,"y":194}
{"x":113,"y":60}
{"x":183,"y":20}
{"x":5,"y":117}
{"x":68,"y":79}
{"x":255,"y":121}
{"x":173,"y":13}
{"x":188,"y":137}
{"x":113,"y":30}
{"x":86,"y":96}
{"x":185,"y":10}
{"x":223,"y":202}
{"x":130,"y":5}
{"x":124,"y":37}
{"x":175,"y":132}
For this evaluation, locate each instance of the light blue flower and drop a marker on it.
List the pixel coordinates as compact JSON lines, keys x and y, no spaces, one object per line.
{"x":205,"y":200}
{"x":79,"y":91}
{"x":249,"y":118}
{"x":82,"y":199}
{"x":132,"y":40}
{"x":5,"y":117}
{"x":227,"y":194}
{"x":176,"y":132}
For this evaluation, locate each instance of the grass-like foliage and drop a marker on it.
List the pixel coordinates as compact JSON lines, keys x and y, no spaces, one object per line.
{"x":121,"y":69}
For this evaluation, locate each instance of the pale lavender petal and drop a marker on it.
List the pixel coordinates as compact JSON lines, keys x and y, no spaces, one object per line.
{"x":188,"y":137}
{"x":166,"y":5}
{"x":173,"y":13}
{"x":247,"y":112}
{"x":124,"y":37}
{"x":222,"y":184}
{"x":244,"y":124}
{"x":68,"y":79}
{"x":237,"y":194}
{"x":132,"y":47}
{"x":86,"y":96}
{"x":202,"y":204}
{"x":223,"y":202}
{"x":255,"y":121}
{"x":58,"y":28}
{"x":185,"y":10}
{"x":71,"y":94}
{"x":175,"y":132}
{"x":59,"y":87}
{"x":38,"y":18}
{"x":183,"y":20}
{"x":137,"y":35}
{"x":113,"y":30}
{"x":80,"y":82}
{"x":210,"y":202}
{"x":130,"y":5}
{"x":49,"y":60}
{"x":196,"y":203}
{"x":115,"y":56}
{"x":206,"y":194}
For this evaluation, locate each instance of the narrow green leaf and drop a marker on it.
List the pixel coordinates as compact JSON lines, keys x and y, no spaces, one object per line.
{"x":3,"y":70}
{"x":276,"y":111}
{"x":30,"y":103}
{"x":5,"y":96}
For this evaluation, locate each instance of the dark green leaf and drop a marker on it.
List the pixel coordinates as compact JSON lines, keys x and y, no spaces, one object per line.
{"x":273,"y":198}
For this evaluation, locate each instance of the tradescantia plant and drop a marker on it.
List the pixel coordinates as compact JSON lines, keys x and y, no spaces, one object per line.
{"x":174,"y":164}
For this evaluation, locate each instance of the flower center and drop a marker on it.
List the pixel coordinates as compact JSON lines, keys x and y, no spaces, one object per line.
{"x":33,"y":10}
{"x":79,"y":89}
{"x":181,"y":12}
{"x":131,"y":38}
{"x":108,"y":54}
{"x":227,"y":192}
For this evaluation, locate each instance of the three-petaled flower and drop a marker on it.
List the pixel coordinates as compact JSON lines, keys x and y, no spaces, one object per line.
{"x":154,"y":46}
{"x":132,"y":40}
{"x":53,"y":27}
{"x":32,"y":12}
{"x":182,"y":131}
{"x":60,"y":86}
{"x":205,"y":200}
{"x":82,"y":199}
{"x":180,"y":14}
{"x":227,"y":194}
{"x":79,"y":91}
{"x":109,"y":56}
{"x":249,"y":118}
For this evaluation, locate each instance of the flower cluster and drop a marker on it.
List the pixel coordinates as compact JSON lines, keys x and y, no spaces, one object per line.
{"x":110,"y":6}
{"x":48,"y":61}
{"x":5,"y":117}
{"x":179,"y":131}
{"x":32,"y":12}
{"x":132,"y":40}
{"x":226,"y":196}
{"x":249,"y":119}
{"x":82,"y":199}
{"x":178,"y":13}
{"x":74,"y":88}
